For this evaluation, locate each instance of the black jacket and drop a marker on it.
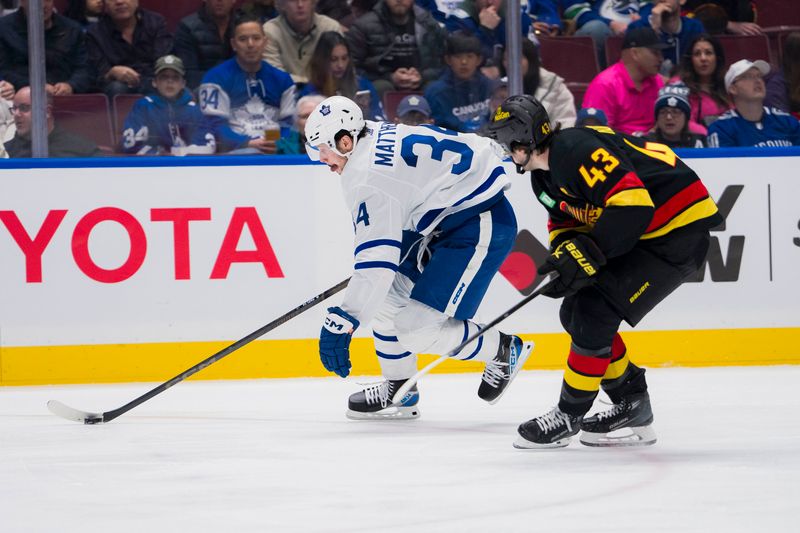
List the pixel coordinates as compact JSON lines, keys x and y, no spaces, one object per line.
{"x":198,"y":44}
{"x":372,"y":37}
{"x":107,"y":48}
{"x":61,"y":143}
{"x":66,"y":59}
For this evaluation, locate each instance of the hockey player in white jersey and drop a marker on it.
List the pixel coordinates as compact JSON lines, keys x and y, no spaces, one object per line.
{"x":432,"y":227}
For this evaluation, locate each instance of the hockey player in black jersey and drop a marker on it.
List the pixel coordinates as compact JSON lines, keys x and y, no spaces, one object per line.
{"x":629,"y":222}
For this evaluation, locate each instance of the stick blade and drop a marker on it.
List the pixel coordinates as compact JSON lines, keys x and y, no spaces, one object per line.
{"x":65,"y":411}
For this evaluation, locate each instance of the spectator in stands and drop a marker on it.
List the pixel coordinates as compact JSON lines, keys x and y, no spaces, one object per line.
{"x":167,"y":121}
{"x":6,"y":90}
{"x":740,"y":15}
{"x":627,"y":90}
{"x":7,"y":127}
{"x":779,"y":80}
{"x":591,"y":116}
{"x":702,"y":70}
{"x":61,"y":143}
{"x":547,"y":87}
{"x":245,"y":98}
{"x":331,"y":72}
{"x":485,"y":20}
{"x":545,"y":17}
{"x":413,"y":110}
{"x":601,"y":19}
{"x":338,"y":10}
{"x":203,"y":39}
{"x":460,"y":99}
{"x":84,"y":12}
{"x":292,"y":37}
{"x":398,"y":45}
{"x":791,"y":71}
{"x":124,"y":46}
{"x":263,"y":10}
{"x":295,"y":141}
{"x":66,"y":64}
{"x":664,"y":16}
{"x":749,"y":123}
{"x":672,"y":119}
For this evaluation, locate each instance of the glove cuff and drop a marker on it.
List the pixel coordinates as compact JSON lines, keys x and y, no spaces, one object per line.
{"x":339,"y":321}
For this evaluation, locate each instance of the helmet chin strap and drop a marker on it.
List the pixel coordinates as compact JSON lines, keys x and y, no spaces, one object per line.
{"x":348,"y":154}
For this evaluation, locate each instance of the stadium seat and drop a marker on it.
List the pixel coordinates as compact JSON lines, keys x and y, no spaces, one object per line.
{"x":87,"y":115}
{"x":613,"y":49}
{"x":573,"y":58}
{"x":777,"y":12}
{"x":750,"y":47}
{"x":121,"y":106}
{"x":173,"y":10}
{"x":391,"y":99}
{"x":577,"y":90}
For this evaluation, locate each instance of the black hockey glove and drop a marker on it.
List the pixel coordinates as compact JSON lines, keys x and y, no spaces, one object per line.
{"x":577,"y":261}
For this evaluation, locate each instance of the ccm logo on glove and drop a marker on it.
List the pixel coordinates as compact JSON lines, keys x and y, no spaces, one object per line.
{"x":334,"y":341}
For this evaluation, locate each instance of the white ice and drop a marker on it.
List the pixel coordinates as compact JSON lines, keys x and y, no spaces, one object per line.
{"x":279,"y":455}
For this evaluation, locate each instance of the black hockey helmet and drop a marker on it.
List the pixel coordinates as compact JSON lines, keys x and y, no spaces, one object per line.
{"x":520,"y":120}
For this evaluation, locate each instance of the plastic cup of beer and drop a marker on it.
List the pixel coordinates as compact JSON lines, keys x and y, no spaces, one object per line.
{"x":272,"y":134}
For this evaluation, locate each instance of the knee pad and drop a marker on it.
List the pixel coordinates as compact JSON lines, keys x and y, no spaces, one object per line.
{"x":417,"y":326}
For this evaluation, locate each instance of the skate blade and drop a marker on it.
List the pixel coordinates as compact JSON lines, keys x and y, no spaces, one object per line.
{"x":390,"y":413}
{"x":524,"y":444}
{"x":527,"y":348}
{"x":634,"y":436}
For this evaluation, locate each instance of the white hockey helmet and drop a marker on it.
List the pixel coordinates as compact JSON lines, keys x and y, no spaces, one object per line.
{"x":331,"y":116}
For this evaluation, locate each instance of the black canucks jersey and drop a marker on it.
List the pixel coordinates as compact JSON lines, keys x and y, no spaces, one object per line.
{"x":619,"y":189}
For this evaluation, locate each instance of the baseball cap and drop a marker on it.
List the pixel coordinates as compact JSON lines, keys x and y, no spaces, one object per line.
{"x":413,"y":102}
{"x":644,"y":37}
{"x":591,"y":112}
{"x":674,"y":96}
{"x":170,"y":62}
{"x":742,"y":66}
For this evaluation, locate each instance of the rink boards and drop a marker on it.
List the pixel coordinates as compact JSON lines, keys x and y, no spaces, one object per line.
{"x":136,"y":269}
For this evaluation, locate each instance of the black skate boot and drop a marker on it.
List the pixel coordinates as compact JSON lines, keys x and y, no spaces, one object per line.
{"x":632,"y":414}
{"x":500,"y":371}
{"x":552,"y":430}
{"x":375,"y":402}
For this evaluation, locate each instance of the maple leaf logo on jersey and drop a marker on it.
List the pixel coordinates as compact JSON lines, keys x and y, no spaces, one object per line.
{"x":325,"y":110}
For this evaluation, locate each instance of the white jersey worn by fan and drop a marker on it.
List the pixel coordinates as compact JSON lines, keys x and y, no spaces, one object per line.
{"x":409,"y":178}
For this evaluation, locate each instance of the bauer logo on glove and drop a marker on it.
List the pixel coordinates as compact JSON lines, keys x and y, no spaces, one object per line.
{"x":577,"y":261}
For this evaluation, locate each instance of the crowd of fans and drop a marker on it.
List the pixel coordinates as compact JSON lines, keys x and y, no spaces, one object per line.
{"x":242,"y":77}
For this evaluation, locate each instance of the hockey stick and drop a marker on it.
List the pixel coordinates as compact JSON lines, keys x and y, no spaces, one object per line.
{"x":436,"y":362}
{"x":65,"y":411}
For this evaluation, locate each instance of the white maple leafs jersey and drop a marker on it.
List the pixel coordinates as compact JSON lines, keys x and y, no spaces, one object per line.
{"x":409,"y":178}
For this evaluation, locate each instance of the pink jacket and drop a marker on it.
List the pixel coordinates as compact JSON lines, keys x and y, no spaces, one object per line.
{"x":628,"y":109}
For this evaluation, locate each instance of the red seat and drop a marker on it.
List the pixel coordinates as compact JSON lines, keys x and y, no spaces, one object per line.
{"x":121,"y":107}
{"x":87,"y":115}
{"x":577,"y":90}
{"x":777,"y":12}
{"x":750,"y":47}
{"x":173,"y":10}
{"x":573,"y":58}
{"x":391,"y":99}
{"x":613,"y":49}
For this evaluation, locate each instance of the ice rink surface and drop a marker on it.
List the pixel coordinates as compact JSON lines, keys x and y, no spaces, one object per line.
{"x":279,"y":455}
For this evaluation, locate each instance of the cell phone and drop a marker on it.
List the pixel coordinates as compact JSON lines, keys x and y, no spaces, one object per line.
{"x":362,"y":98}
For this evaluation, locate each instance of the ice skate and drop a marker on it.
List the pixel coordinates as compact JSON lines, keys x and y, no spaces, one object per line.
{"x":628,"y":423}
{"x":552,"y":430}
{"x":375,"y":402}
{"x":500,"y":371}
